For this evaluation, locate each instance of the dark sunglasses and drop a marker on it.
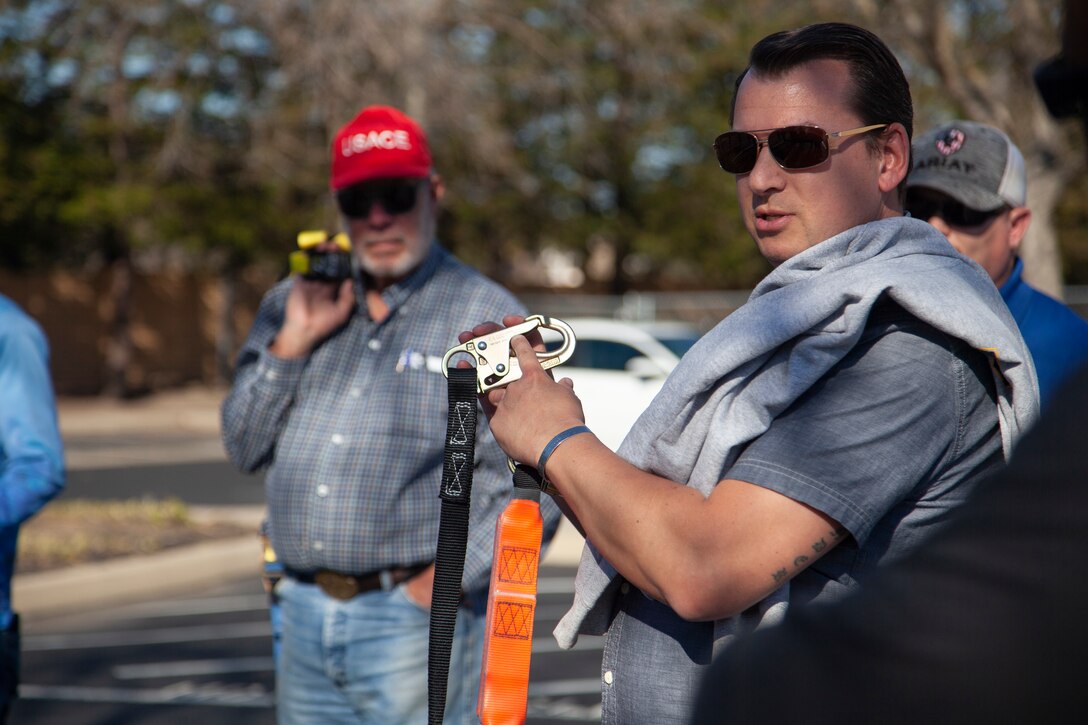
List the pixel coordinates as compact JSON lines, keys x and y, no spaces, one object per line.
{"x":398,"y":198}
{"x":952,"y":211}
{"x":793,"y":147}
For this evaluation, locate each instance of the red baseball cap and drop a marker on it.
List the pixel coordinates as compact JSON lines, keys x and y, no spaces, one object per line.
{"x":379,"y":143}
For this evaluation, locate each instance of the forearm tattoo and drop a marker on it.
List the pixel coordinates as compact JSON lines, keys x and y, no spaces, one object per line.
{"x":801,"y":560}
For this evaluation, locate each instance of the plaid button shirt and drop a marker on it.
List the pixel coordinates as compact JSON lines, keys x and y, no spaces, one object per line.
{"x":353,"y":435}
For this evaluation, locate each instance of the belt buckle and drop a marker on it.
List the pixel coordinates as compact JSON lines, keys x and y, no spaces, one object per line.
{"x":496,"y":366}
{"x":337,"y":586}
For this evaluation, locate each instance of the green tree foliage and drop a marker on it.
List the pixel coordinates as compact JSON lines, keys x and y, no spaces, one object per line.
{"x":35,"y":167}
{"x":1072,"y":221}
{"x":204,"y":125}
{"x":975,"y":59}
{"x":610,"y":109}
{"x":127,"y":130}
{"x":142,"y":123}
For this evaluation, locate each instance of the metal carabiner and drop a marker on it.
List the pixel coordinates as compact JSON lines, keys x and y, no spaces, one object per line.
{"x":496,"y":365}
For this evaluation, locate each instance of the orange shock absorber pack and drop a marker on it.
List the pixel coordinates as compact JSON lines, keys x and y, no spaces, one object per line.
{"x":511,"y":606}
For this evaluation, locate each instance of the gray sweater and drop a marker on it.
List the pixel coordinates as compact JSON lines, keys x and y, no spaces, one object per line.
{"x":798,"y":323}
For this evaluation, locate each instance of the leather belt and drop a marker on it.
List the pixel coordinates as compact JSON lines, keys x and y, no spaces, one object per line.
{"x":346,"y":586}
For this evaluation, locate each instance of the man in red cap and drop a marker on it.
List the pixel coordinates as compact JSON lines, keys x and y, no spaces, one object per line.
{"x":339,"y":393}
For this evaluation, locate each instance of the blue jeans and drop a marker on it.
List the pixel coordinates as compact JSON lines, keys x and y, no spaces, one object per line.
{"x":9,"y":666}
{"x":365,"y":660}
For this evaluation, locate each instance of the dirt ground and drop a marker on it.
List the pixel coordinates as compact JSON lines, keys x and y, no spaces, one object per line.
{"x":73,"y":532}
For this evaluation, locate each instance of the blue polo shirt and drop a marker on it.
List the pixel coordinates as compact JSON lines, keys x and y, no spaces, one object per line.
{"x":1056,"y":335}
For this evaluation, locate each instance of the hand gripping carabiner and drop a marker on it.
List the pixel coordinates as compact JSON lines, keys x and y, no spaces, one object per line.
{"x":496,"y":365}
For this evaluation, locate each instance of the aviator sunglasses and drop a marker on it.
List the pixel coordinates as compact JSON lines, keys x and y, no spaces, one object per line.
{"x":952,"y":211}
{"x":793,"y":147}
{"x":396,"y":198}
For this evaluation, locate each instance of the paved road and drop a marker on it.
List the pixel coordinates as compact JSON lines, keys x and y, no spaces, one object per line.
{"x":204,"y":483}
{"x":206,"y":657}
{"x":201,"y":651}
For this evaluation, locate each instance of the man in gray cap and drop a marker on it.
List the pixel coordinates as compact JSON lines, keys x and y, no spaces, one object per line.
{"x":969,"y":181}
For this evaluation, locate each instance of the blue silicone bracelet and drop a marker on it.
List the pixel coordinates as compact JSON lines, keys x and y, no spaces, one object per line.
{"x":554,"y":443}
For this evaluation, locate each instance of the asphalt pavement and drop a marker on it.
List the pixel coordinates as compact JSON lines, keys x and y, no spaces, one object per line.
{"x":155,"y":445}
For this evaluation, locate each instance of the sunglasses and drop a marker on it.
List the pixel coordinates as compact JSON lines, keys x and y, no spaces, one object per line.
{"x":396,"y":198}
{"x":952,"y":211}
{"x":793,"y":147}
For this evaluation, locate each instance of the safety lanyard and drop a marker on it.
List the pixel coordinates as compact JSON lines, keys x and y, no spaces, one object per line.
{"x":504,"y":679}
{"x":511,"y":600}
{"x":449,"y":561}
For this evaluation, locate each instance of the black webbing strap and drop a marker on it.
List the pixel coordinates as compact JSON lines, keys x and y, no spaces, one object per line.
{"x":449,"y":560}
{"x":527,"y":478}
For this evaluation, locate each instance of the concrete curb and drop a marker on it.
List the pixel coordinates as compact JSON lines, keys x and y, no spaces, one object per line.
{"x":104,"y":584}
{"x":565,"y":548}
{"x":180,"y":570}
{"x":171,"y":427}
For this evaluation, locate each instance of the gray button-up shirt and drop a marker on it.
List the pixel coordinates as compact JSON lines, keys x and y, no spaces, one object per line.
{"x":353,"y":434}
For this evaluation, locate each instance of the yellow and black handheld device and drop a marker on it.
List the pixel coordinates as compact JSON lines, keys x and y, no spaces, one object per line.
{"x":327,"y":266}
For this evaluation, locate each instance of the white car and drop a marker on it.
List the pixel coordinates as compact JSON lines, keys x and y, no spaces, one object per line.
{"x":618,"y":367}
